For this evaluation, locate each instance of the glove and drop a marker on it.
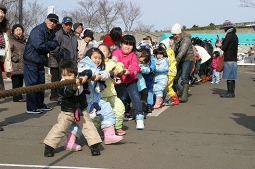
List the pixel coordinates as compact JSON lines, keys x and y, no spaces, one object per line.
{"x":93,"y":109}
{"x":77,"y":114}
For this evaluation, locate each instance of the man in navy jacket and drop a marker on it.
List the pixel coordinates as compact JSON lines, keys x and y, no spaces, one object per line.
{"x":41,"y":41}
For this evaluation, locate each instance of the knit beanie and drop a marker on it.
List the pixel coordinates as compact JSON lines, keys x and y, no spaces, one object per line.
{"x":76,"y":25}
{"x":227,"y":24}
{"x":17,"y":26}
{"x":87,"y":33}
{"x":3,"y":8}
{"x":176,"y":29}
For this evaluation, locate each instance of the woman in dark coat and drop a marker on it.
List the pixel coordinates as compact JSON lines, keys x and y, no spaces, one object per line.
{"x":230,"y":48}
{"x":17,"y":41}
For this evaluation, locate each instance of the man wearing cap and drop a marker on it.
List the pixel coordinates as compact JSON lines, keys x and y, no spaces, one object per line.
{"x":78,"y":28}
{"x":66,"y":50}
{"x":41,"y":41}
{"x":230,"y":49}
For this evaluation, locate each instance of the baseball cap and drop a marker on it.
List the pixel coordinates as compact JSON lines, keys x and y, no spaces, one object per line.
{"x":67,"y":19}
{"x":52,"y":16}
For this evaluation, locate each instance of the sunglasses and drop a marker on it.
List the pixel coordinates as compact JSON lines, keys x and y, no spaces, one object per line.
{"x":54,"y":21}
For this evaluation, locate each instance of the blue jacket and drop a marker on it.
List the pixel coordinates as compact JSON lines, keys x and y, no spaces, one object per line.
{"x":162,"y":66}
{"x":149,"y":75}
{"x":87,"y":63}
{"x":40,"y":42}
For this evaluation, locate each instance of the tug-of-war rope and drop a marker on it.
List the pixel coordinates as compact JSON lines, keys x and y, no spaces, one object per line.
{"x":36,"y":88}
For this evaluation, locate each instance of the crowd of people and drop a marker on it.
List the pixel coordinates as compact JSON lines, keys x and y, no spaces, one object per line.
{"x":116,"y":80}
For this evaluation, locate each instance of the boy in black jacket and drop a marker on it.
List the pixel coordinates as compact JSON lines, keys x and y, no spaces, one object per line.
{"x":73,"y":101}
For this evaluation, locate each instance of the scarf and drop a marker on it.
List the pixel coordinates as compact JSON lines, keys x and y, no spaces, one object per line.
{"x":228,"y":31}
{"x":2,"y":41}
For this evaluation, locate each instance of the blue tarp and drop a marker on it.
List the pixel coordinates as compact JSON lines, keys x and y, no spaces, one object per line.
{"x":244,"y":38}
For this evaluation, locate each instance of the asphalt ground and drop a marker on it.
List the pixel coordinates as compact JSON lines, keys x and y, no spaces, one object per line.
{"x":206,"y":132}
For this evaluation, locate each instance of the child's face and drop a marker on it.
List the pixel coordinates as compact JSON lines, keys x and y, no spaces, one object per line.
{"x":159,"y":56}
{"x":67,"y":75}
{"x":163,"y":46}
{"x":141,"y":59}
{"x":126,"y":49}
{"x":96,"y":58}
{"x":105,"y":51}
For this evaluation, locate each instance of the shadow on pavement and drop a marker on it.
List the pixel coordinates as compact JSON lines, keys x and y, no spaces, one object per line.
{"x":218,"y":91}
{"x":244,"y":120}
{"x":23,"y":116}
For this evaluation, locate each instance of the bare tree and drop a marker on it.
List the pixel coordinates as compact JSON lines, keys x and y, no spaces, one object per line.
{"x":86,"y":13}
{"x":143,"y":28}
{"x":109,"y":13}
{"x":12,"y":12}
{"x":130,"y":14}
{"x":33,"y":14}
{"x":247,"y":3}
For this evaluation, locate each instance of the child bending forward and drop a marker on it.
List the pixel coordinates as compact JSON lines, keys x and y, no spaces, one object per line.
{"x":73,"y":98}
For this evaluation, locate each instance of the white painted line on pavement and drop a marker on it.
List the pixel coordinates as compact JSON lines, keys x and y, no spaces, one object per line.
{"x":45,"y":166}
{"x":157,"y":112}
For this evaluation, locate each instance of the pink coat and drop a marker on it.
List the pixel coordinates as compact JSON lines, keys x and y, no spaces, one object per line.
{"x":130,"y":62}
{"x":214,"y":62}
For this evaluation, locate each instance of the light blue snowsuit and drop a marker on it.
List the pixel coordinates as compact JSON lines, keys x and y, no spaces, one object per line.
{"x":106,"y":113}
{"x":160,"y":78}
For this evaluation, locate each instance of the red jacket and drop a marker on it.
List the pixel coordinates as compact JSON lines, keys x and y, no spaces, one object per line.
{"x":108,"y":40}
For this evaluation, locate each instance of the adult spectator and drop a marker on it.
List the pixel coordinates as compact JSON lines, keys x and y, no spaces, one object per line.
{"x":84,"y":44}
{"x":184,"y":57}
{"x":5,"y":52}
{"x":78,"y":28}
{"x":66,"y":50}
{"x":230,"y":49}
{"x":18,"y":43}
{"x":41,"y":41}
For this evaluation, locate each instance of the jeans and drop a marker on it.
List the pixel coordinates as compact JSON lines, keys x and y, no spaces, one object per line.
{"x":130,"y":89}
{"x":216,"y":76}
{"x":184,"y":71}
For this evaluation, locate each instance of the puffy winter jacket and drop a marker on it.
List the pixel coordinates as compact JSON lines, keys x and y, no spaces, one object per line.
{"x":40,"y":42}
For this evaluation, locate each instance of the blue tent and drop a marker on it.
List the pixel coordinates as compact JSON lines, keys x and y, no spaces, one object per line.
{"x":164,"y":36}
{"x":244,"y":38}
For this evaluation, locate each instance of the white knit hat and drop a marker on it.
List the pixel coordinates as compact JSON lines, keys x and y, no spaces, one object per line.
{"x":176,"y":29}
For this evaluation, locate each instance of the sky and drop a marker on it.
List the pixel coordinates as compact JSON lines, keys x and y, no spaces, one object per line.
{"x":165,"y":13}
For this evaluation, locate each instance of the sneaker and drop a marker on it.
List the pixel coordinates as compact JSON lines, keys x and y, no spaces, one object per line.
{"x":212,"y":82}
{"x":168,"y":103}
{"x":139,"y":122}
{"x":34,"y":111}
{"x":128,"y":117}
{"x":120,"y":132}
{"x":198,"y":80}
{"x":45,"y":109}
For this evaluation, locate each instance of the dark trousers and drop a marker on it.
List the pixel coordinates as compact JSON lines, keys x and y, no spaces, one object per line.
{"x":126,"y":90}
{"x":34,"y":75}
{"x":203,"y":68}
{"x":17,"y":81}
{"x":55,"y":76}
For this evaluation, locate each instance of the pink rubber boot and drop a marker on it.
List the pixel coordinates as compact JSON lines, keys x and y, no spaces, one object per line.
{"x":110,"y":137}
{"x":70,"y":142}
{"x":159,"y":102}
